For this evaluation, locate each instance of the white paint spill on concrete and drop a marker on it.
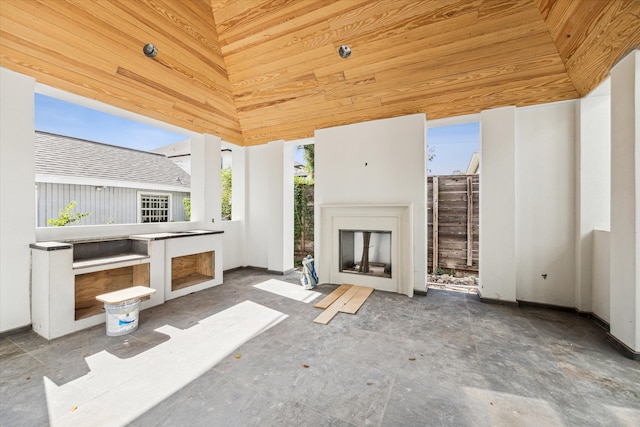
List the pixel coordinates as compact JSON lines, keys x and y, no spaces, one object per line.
{"x":288,"y":290}
{"x":116,"y":391}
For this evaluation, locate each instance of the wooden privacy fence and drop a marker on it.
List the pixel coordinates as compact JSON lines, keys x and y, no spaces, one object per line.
{"x":452,"y":222}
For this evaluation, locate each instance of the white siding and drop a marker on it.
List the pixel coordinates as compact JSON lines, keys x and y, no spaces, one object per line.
{"x":110,"y":205}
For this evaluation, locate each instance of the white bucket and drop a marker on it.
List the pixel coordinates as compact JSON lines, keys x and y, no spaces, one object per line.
{"x":122,"y":318}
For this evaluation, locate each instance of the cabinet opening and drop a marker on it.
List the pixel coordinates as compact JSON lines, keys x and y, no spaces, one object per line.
{"x":90,"y":285}
{"x":192,"y":269}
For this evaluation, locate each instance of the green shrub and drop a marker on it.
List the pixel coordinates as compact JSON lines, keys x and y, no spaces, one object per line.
{"x":65,"y":217}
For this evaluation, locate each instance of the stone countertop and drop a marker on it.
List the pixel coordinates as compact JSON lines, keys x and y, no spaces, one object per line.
{"x":68,"y":244}
{"x":174,"y":234}
{"x":50,"y":246}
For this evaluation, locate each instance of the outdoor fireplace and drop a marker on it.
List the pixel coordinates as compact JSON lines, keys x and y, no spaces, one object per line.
{"x":355,"y":238}
{"x":365,"y":252}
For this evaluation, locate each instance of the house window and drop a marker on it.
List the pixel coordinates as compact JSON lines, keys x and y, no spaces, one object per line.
{"x":154,"y":207}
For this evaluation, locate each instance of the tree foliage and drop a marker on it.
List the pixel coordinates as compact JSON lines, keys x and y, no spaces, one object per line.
{"x":226,"y":194}
{"x":66,"y":217}
{"x":431,"y":154}
{"x":186,"y":202}
{"x":303,"y":207}
{"x":309,"y":157}
{"x":225,"y":176}
{"x":303,"y":214}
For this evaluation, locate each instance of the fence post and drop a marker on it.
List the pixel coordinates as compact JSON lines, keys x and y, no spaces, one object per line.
{"x":435,"y":224}
{"x":469,"y":222}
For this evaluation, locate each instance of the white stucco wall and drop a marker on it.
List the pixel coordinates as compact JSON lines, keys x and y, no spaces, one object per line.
{"x":257,"y":203}
{"x":593,"y":181}
{"x":234,"y":242}
{"x":280,"y":206}
{"x":376,"y":162}
{"x":545,"y":209}
{"x":600,"y":275}
{"x":269,"y":206}
{"x":206,"y":187}
{"x":232,"y":246}
{"x":238,"y":187}
{"x":498,"y":204}
{"x":17,"y":192}
{"x":625,"y":201}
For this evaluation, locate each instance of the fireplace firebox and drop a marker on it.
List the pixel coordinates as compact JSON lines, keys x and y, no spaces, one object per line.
{"x":365,"y":252}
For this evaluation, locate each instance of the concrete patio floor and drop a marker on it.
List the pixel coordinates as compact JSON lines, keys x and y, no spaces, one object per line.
{"x":441,"y":360}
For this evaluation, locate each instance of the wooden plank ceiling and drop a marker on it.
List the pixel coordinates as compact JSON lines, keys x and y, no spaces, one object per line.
{"x":253,"y":71}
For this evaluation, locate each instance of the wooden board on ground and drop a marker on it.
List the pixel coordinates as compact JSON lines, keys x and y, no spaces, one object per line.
{"x":346,"y":298}
{"x":358,"y":299}
{"x":330,"y":299}
{"x":326,"y":316}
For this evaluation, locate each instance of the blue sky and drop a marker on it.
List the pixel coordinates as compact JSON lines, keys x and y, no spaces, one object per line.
{"x":453,"y":145}
{"x":298,"y":155}
{"x":65,"y":118}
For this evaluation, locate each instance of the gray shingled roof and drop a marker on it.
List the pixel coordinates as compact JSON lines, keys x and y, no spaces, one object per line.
{"x":66,"y":156}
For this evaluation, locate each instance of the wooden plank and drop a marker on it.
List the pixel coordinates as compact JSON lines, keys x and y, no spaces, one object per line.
{"x":460,"y":40}
{"x":326,"y":316}
{"x":125,"y":294}
{"x":354,"y":304}
{"x":89,"y":285}
{"x":141,"y":275}
{"x":469,"y":218}
{"x":332,"y":297}
{"x":205,"y":263}
{"x":183,"y":266}
{"x":435,"y":224}
{"x":291,"y":26}
{"x":189,"y":280}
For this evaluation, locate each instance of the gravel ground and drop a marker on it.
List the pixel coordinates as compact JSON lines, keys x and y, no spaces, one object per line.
{"x":467,"y":284}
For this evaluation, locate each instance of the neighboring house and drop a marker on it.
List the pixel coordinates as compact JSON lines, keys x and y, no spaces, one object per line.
{"x":180,"y":154}
{"x":474,"y":164}
{"x":300,"y":170}
{"x":117,"y":185}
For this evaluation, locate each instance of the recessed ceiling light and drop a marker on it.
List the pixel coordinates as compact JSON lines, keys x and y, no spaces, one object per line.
{"x":344,"y":51}
{"x":150,"y":50}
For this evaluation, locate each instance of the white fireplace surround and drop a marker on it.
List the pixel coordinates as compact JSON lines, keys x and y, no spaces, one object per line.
{"x":397,"y":218}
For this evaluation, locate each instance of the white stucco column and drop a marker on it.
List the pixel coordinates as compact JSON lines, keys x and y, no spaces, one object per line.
{"x":280,"y":206}
{"x":625,"y":202}
{"x":238,"y":184}
{"x":17,"y":192}
{"x":269,"y":207}
{"x":593,"y":187}
{"x":498,"y":204}
{"x":206,"y":187}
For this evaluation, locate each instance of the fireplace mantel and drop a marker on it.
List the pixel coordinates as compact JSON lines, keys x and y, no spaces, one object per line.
{"x":396,"y":218}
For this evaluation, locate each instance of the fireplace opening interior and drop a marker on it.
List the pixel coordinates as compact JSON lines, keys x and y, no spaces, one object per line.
{"x":365,"y":252}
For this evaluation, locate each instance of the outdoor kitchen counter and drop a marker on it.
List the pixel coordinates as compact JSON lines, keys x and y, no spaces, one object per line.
{"x":67,"y":275}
